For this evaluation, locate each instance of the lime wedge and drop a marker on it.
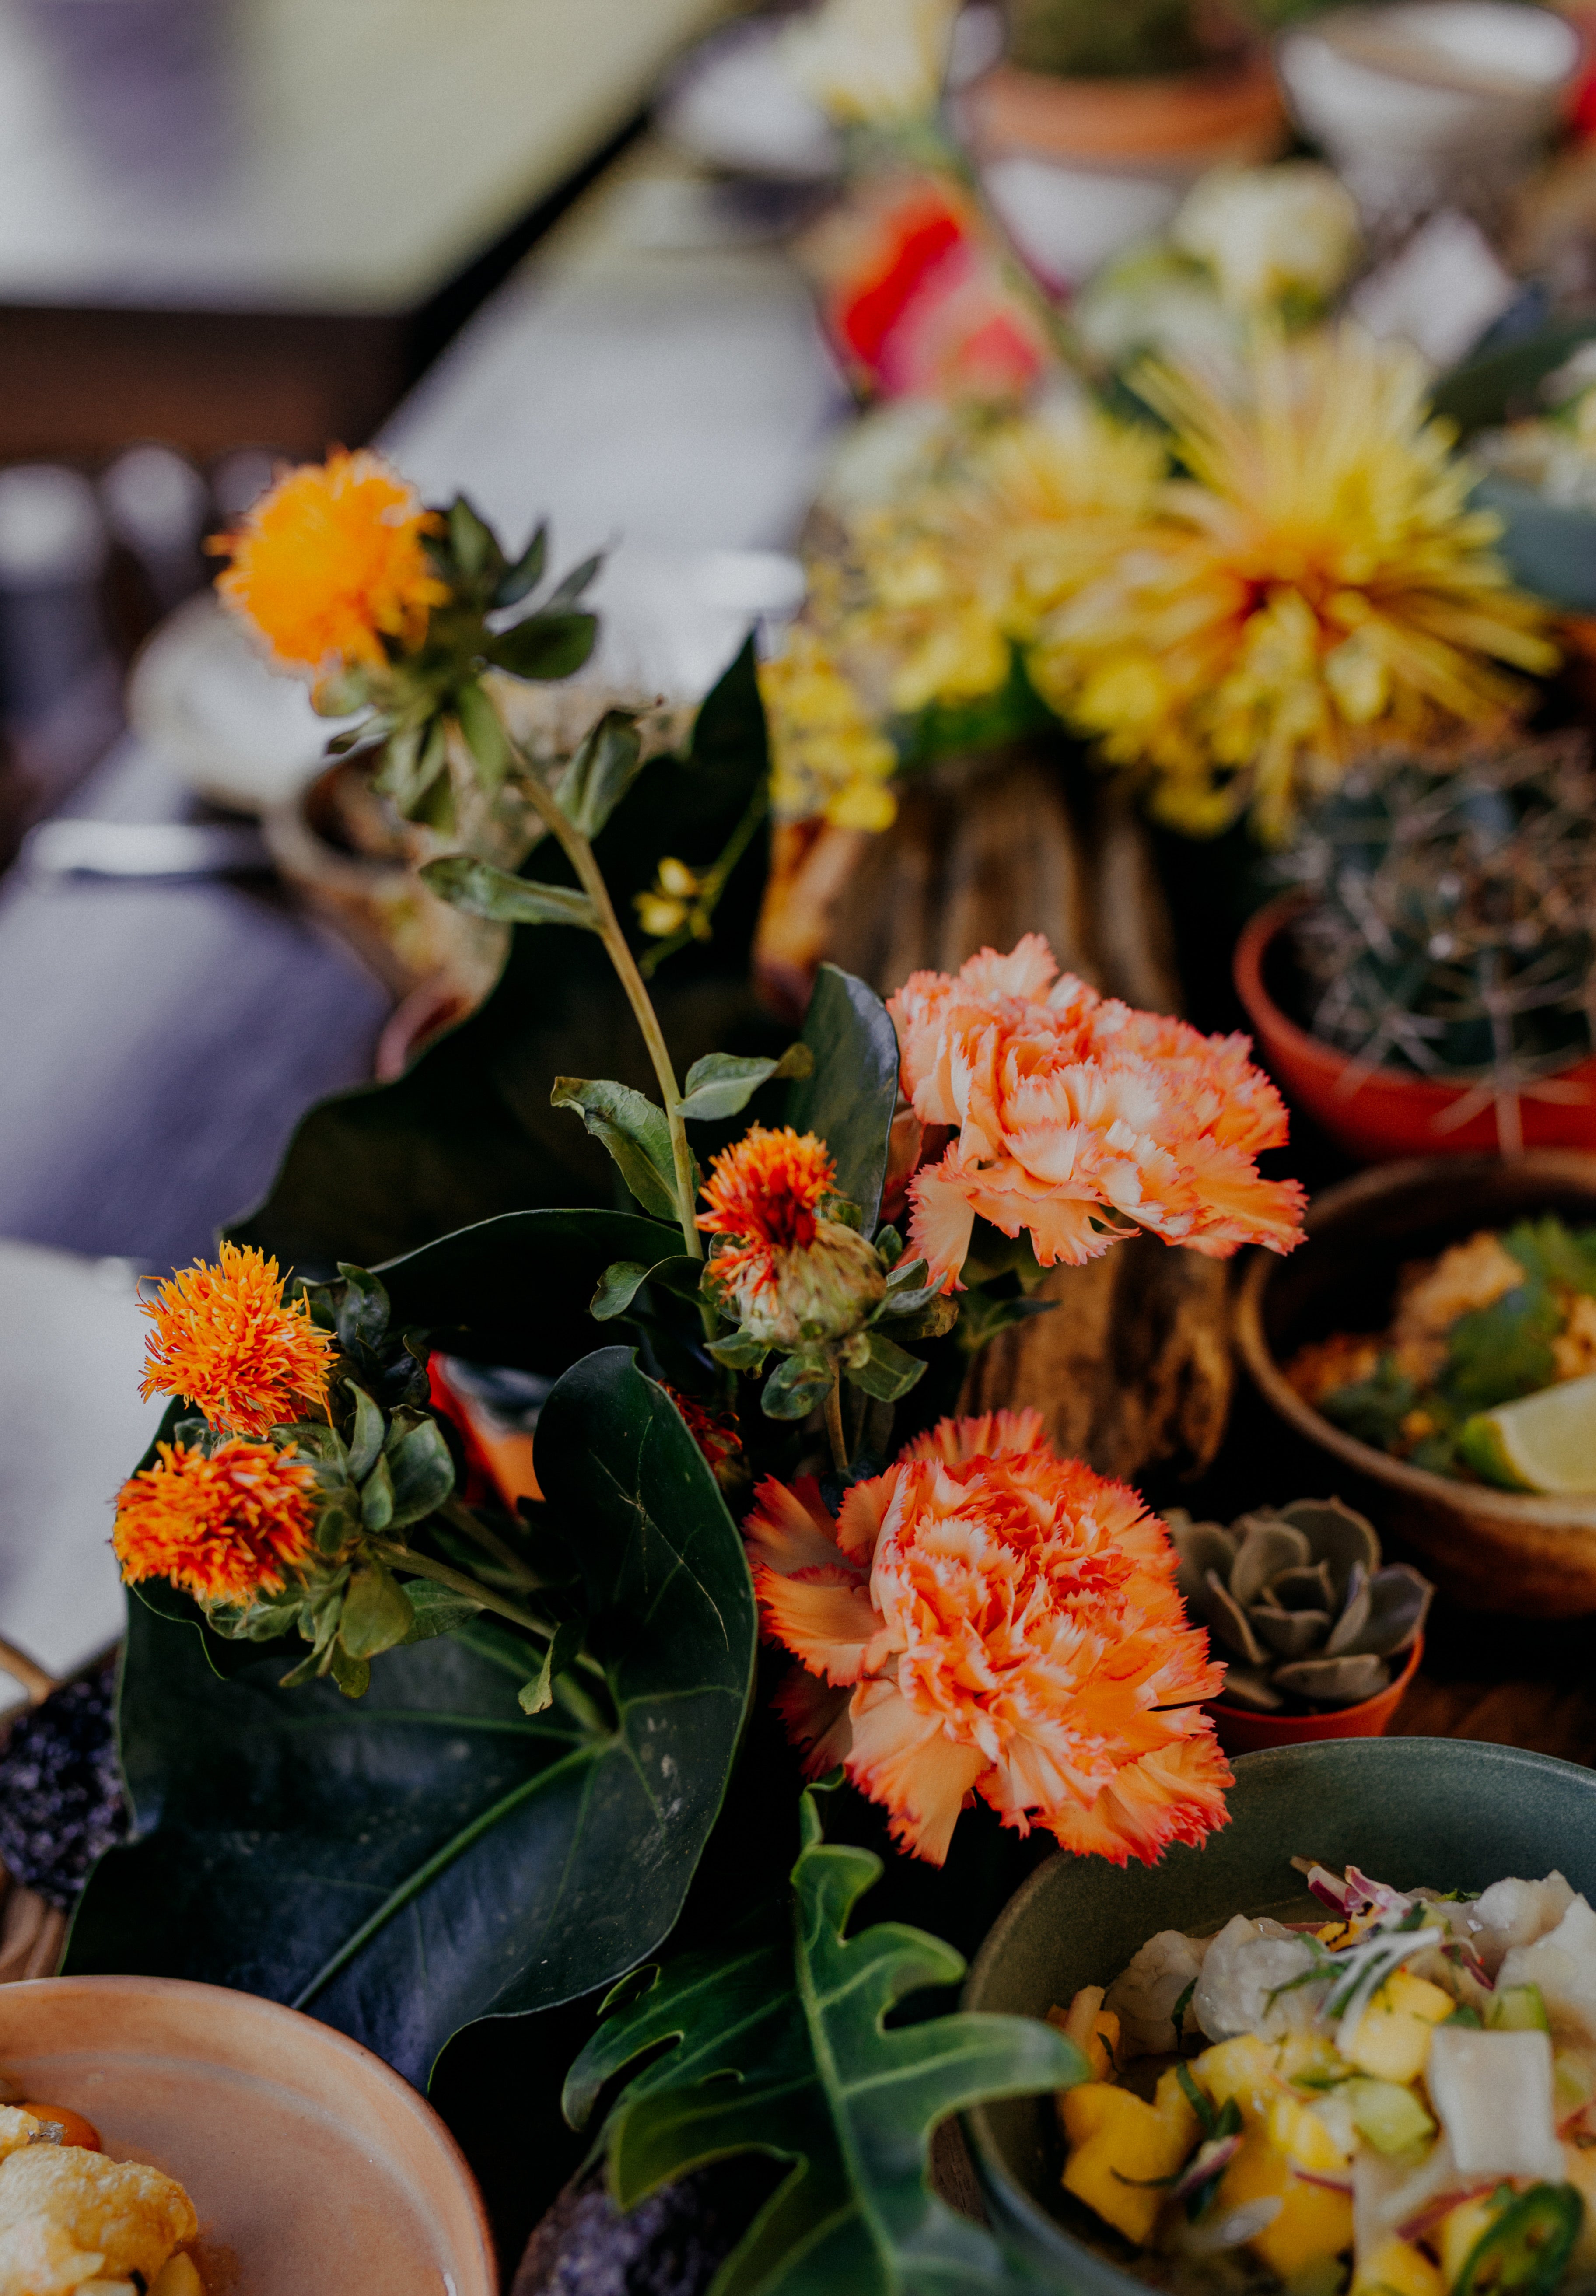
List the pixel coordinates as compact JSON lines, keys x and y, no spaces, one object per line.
{"x":1544,"y":1442}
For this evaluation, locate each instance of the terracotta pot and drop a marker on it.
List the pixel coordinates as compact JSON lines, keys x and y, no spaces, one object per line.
{"x":1491,"y":1550}
{"x":1191,"y":119}
{"x":311,"y":2164}
{"x":1379,"y":1113}
{"x":1241,"y":1731}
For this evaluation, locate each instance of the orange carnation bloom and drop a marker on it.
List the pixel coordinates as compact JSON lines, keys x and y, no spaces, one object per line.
{"x":225,"y":1527}
{"x":1077,"y":1114}
{"x":329,"y":563}
{"x":782,"y":1269}
{"x":224,"y":1339}
{"x":986,"y":1619}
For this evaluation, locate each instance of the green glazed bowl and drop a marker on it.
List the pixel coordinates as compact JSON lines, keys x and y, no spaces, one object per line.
{"x":1446,"y":1812}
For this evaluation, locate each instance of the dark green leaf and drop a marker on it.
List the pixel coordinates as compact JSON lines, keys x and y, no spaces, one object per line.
{"x":443,"y":1855}
{"x":798,"y":1385}
{"x":620,"y":1284}
{"x":485,"y":891}
{"x":886,"y":1372}
{"x":535,"y":1697}
{"x":366,"y":1439}
{"x":526,"y":574}
{"x":546,"y":645}
{"x":849,"y":1099}
{"x":739,"y":1352}
{"x":436,"y":1610}
{"x":422,"y":1472}
{"x":1496,"y":1353}
{"x":602,"y":770}
{"x":779,"y":2046}
{"x":721,"y":1084}
{"x":376,"y":1615}
{"x":473,"y":541}
{"x":1373,"y":1408}
{"x":635,"y":1131}
{"x":352,"y":1674}
{"x":572,"y":585}
{"x":362,"y":1310}
{"x":377,"y":1498}
{"x":484,"y":734}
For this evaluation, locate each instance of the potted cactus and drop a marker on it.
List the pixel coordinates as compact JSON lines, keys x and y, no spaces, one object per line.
{"x":1430,"y":986}
{"x":1320,"y":1639}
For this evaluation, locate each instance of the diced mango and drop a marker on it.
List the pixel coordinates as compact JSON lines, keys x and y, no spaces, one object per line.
{"x":179,"y":2277}
{"x":1392,"y":2040}
{"x":1093,"y":2030}
{"x":1120,"y":2145}
{"x":1242,"y":2069}
{"x":1313,"y":2223}
{"x":1297,"y":2130}
{"x":1579,"y":2168}
{"x":1397,"y":2268}
{"x":1309,"y":2055}
{"x":1459,"y":2229}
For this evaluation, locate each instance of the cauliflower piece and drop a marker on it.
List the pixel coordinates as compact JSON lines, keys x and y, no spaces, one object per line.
{"x":1513,"y":1913}
{"x":1491,"y":2093}
{"x":1562,"y":1962}
{"x":17,"y":2130}
{"x":131,"y":2213}
{"x":1144,"y":1995}
{"x":1243,"y":1966}
{"x":39,"y":2257}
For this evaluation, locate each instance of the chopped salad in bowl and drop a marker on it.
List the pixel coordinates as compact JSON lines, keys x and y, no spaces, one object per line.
{"x":1395,"y":2099}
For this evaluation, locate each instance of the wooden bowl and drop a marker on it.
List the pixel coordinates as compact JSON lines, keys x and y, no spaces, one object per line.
{"x":1415,"y":1811}
{"x":1493,"y":1550}
{"x":311,"y":2164}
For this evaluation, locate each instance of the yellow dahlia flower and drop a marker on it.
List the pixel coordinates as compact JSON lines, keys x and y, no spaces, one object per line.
{"x":1316,"y":581}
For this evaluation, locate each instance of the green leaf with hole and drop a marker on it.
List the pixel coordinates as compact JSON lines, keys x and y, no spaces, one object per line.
{"x":603,"y":769}
{"x":485,"y":891}
{"x":723,"y":1083}
{"x":430,"y":1854}
{"x":633,"y":1129}
{"x":778,"y":2045}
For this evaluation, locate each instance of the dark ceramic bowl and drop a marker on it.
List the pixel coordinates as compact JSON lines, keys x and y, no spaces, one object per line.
{"x":1442,"y":1811}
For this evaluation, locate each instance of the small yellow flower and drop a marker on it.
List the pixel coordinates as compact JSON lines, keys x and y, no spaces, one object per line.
{"x":827,"y":757}
{"x":668,"y":903}
{"x":328,"y":563}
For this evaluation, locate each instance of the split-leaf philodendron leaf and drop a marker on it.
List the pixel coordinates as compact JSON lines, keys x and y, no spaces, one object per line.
{"x":777,"y":2044}
{"x":430,"y":1854}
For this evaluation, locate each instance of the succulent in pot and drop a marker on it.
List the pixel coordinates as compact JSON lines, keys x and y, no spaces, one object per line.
{"x":1298,"y":1599}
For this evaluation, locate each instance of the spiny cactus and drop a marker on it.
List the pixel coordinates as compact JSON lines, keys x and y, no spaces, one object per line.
{"x":1296,"y":1598}
{"x":1452,"y":924}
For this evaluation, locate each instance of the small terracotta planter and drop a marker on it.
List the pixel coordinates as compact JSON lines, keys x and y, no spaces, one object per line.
{"x":1191,"y":120}
{"x":1241,"y":1731}
{"x":1379,"y":1114}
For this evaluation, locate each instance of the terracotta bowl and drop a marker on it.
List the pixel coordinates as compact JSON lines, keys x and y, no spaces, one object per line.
{"x":1493,"y":1550}
{"x":1444,"y":1811}
{"x":1375,"y":1113}
{"x":1223,"y":112}
{"x":311,"y":2164}
{"x":1243,"y":1730}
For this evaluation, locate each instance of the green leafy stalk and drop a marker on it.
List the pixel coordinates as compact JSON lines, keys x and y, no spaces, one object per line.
{"x":406,"y":1558}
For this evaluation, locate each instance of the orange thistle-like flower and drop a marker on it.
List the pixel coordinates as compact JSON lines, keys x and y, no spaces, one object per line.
{"x":786,"y":1271}
{"x":713,"y":1431}
{"x":986,"y":1619}
{"x":224,"y":1339}
{"x":329,"y":563}
{"x":1080,"y":1119}
{"x":225,"y":1527}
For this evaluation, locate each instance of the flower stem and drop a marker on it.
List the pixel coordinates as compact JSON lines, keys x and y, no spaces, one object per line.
{"x":834,"y":1425}
{"x":406,"y":1558}
{"x":456,"y":1512}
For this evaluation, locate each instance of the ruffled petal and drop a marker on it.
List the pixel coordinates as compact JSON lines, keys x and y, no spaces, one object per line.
{"x":903,"y":1759}
{"x":789,"y":1530}
{"x":826,"y":1620}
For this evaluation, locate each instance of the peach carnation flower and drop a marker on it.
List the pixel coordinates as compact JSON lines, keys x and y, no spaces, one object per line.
{"x":329,"y":562}
{"x":986,"y":1619}
{"x":781,"y":1268}
{"x":1080,"y":1119}
{"x":223,"y":1528}
{"x":224,"y":1339}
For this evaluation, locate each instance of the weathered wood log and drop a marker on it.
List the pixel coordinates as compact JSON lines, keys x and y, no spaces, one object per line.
{"x":1134,"y":1364}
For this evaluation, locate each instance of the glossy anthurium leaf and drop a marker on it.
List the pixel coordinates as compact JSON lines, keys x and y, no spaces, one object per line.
{"x":777,"y":2044}
{"x":430,"y":1854}
{"x":849,"y":1096}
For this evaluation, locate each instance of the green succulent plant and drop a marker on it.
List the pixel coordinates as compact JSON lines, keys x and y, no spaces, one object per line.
{"x":1298,"y":1599}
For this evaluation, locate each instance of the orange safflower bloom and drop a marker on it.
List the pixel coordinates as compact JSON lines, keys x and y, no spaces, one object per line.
{"x":986,"y":1619}
{"x":329,"y":563}
{"x":1080,"y":1119}
{"x":715,"y":1433}
{"x":225,"y":1527}
{"x":224,"y":1339}
{"x":784,"y":1270}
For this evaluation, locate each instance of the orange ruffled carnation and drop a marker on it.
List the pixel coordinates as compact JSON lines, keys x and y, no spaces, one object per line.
{"x":1076,"y":1114}
{"x":986,"y":1619}
{"x":224,"y":1339}
{"x":225,"y":1528}
{"x":329,"y":563}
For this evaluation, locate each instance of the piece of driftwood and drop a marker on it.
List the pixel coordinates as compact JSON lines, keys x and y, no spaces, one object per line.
{"x":1135,"y":1366}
